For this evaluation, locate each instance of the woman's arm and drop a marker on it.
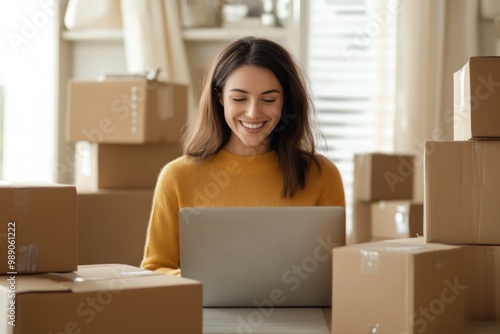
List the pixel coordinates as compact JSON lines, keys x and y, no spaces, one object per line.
{"x":161,"y":252}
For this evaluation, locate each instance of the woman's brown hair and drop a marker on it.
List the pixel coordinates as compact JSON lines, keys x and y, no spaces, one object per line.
{"x":292,"y":139}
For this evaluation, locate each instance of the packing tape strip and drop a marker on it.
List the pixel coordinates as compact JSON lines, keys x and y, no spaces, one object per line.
{"x":27,"y":259}
{"x":26,"y":255}
{"x":478,"y":169}
{"x":489,"y":283}
{"x":165,"y":102}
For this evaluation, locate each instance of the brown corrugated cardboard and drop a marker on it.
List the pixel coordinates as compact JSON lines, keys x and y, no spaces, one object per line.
{"x":112,"y":225}
{"x":398,"y":287}
{"x":129,"y":110}
{"x":361,"y":223}
{"x":379,"y":176}
{"x":108,"y":166}
{"x":477,"y":99}
{"x":462,"y":182}
{"x":396,"y":219}
{"x":102,"y":299}
{"x":482,"y":273}
{"x":38,"y":228}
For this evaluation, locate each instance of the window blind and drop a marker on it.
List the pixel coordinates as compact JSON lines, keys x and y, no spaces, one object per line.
{"x":351,"y":64}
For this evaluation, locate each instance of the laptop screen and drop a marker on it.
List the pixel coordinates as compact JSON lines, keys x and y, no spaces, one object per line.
{"x":261,"y":256}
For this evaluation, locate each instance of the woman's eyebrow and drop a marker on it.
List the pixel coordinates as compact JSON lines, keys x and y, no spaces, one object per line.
{"x":238,"y":90}
{"x":271,"y":91}
{"x":246,"y":92}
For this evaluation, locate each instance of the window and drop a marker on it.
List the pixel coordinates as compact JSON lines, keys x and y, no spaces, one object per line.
{"x":351,"y":66}
{"x":29,"y":31}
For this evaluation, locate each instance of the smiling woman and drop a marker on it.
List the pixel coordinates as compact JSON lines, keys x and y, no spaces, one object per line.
{"x":252,"y":145}
{"x":27,"y":71}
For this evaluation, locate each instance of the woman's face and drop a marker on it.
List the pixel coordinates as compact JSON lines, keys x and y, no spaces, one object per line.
{"x":252,"y":99}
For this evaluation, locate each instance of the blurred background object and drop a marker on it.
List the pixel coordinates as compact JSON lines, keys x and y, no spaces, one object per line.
{"x":490,"y":10}
{"x":93,"y":14}
{"x":201,"y":13}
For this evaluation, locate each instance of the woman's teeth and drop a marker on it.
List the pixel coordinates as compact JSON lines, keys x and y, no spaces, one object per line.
{"x":251,"y":125}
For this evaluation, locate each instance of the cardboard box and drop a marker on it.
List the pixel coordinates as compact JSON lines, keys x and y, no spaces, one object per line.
{"x":398,"y":287}
{"x":112,"y":225}
{"x":476,"y":95}
{"x":102,"y":299}
{"x":361,"y":222}
{"x":462,"y":183}
{"x":383,"y":220}
{"x":109,"y":166}
{"x":397,"y":219}
{"x":129,"y":110}
{"x":38,"y":228}
{"x":482,"y":273}
{"x":379,"y":176}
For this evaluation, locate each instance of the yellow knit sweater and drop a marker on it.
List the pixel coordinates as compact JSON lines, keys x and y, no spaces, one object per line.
{"x":226,"y":180}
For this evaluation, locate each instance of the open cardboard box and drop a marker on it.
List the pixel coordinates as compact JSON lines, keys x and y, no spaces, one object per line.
{"x":101,"y":299}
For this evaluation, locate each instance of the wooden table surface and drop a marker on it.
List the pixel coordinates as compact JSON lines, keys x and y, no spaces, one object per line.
{"x":292,"y":321}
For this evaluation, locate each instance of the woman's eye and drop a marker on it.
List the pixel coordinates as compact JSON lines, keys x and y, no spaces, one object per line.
{"x":239,"y":100}
{"x":268,"y":101}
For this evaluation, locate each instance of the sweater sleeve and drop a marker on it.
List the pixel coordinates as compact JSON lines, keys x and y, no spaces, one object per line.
{"x":161,"y":252}
{"x":332,"y":192}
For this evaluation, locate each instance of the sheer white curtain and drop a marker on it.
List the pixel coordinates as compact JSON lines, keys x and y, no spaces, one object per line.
{"x":435,"y":39}
{"x":153,"y":37}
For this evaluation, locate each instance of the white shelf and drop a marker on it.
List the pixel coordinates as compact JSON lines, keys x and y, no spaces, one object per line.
{"x":93,"y":35}
{"x":224,"y":34}
{"x":193,"y":34}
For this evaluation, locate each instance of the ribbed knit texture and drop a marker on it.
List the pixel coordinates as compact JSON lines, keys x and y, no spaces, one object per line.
{"x":226,"y":180}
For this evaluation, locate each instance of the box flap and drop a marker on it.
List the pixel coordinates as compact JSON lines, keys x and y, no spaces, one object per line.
{"x":96,"y":277}
{"x":399,"y":246}
{"x":36,"y":184}
{"x":34,"y":283}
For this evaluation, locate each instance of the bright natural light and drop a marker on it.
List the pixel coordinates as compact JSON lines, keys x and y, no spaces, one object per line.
{"x":27,"y":74}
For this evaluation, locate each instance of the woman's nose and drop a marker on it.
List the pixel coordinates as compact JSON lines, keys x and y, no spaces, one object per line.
{"x":252,"y":110}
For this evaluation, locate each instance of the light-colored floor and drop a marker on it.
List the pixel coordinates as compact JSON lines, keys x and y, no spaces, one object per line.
{"x":293,"y":321}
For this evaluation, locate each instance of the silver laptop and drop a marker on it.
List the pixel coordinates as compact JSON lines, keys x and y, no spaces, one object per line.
{"x":261,"y":256}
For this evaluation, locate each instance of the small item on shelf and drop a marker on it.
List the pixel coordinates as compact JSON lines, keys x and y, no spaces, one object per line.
{"x":234,"y":12}
{"x":151,"y":75}
{"x":269,"y":17}
{"x":201,"y":13}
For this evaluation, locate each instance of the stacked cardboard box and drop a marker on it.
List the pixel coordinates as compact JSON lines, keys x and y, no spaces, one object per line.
{"x":130,"y":128}
{"x":100,"y":299}
{"x":48,"y":230}
{"x":38,"y":231}
{"x":398,"y":286}
{"x":432,"y":284}
{"x":112,"y":225}
{"x":125,"y":130}
{"x":383,"y":190}
{"x":462,"y":183}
